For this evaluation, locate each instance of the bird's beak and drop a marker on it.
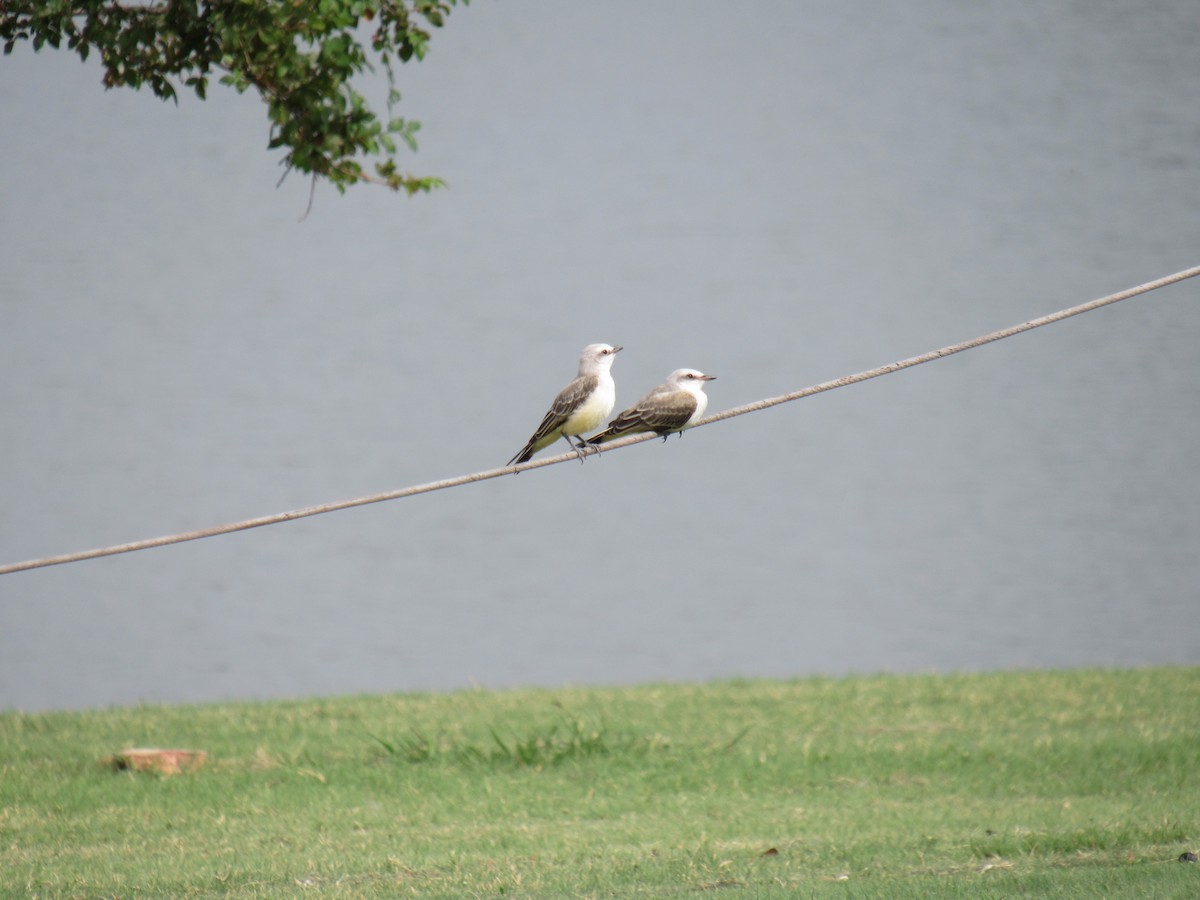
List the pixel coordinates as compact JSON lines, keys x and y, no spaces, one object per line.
{"x":708,"y":377}
{"x":617,"y":349}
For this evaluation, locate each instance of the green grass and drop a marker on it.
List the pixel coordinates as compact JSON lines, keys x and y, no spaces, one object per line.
{"x":1039,"y":784}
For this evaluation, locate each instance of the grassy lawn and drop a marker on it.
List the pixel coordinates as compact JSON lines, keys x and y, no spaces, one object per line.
{"x":1075,"y":784}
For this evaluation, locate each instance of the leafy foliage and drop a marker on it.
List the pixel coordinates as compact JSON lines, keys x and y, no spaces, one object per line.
{"x":300,"y":55}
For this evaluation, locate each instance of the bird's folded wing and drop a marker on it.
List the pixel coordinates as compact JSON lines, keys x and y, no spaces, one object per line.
{"x":564,"y":404}
{"x":659,"y":412}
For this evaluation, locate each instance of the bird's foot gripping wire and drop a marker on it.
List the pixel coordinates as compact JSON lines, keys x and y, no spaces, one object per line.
{"x":581,"y":449}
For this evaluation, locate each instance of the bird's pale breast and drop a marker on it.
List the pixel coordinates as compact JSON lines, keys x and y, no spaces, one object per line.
{"x":591,"y":414}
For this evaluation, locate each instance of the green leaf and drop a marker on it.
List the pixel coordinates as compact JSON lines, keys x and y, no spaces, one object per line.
{"x":301,"y":57}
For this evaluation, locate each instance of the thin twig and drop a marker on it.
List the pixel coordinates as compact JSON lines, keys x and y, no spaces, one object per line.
{"x":615,"y":445}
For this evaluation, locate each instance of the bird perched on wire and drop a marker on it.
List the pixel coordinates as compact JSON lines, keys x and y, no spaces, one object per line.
{"x":579,"y":407}
{"x":668,"y":409}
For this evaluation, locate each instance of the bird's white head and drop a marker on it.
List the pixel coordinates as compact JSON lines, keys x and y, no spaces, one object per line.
{"x":688,"y":380}
{"x":597,"y":358}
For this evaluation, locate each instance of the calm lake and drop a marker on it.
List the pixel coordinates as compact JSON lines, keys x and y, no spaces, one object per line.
{"x":778,"y":195}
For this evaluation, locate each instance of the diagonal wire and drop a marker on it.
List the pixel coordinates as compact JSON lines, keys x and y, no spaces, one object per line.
{"x":614,"y":445}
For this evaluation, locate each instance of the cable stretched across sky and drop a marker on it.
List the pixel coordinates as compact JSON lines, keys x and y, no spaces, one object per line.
{"x":844,"y":381}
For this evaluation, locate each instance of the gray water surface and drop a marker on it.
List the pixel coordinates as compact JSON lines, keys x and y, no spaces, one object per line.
{"x":778,"y":196}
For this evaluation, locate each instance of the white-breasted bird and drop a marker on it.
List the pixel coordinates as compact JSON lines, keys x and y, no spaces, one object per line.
{"x":668,"y":409}
{"x":579,"y":407}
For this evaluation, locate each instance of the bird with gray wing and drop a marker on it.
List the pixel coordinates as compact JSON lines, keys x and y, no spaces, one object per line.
{"x":668,"y":409}
{"x":580,"y":406}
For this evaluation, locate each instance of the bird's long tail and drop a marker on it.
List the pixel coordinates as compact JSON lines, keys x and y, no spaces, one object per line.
{"x":608,"y":434}
{"x":524,"y":456}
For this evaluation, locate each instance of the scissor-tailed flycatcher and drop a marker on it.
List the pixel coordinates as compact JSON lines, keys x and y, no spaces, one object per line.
{"x":666,"y":410}
{"x":579,"y":407}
